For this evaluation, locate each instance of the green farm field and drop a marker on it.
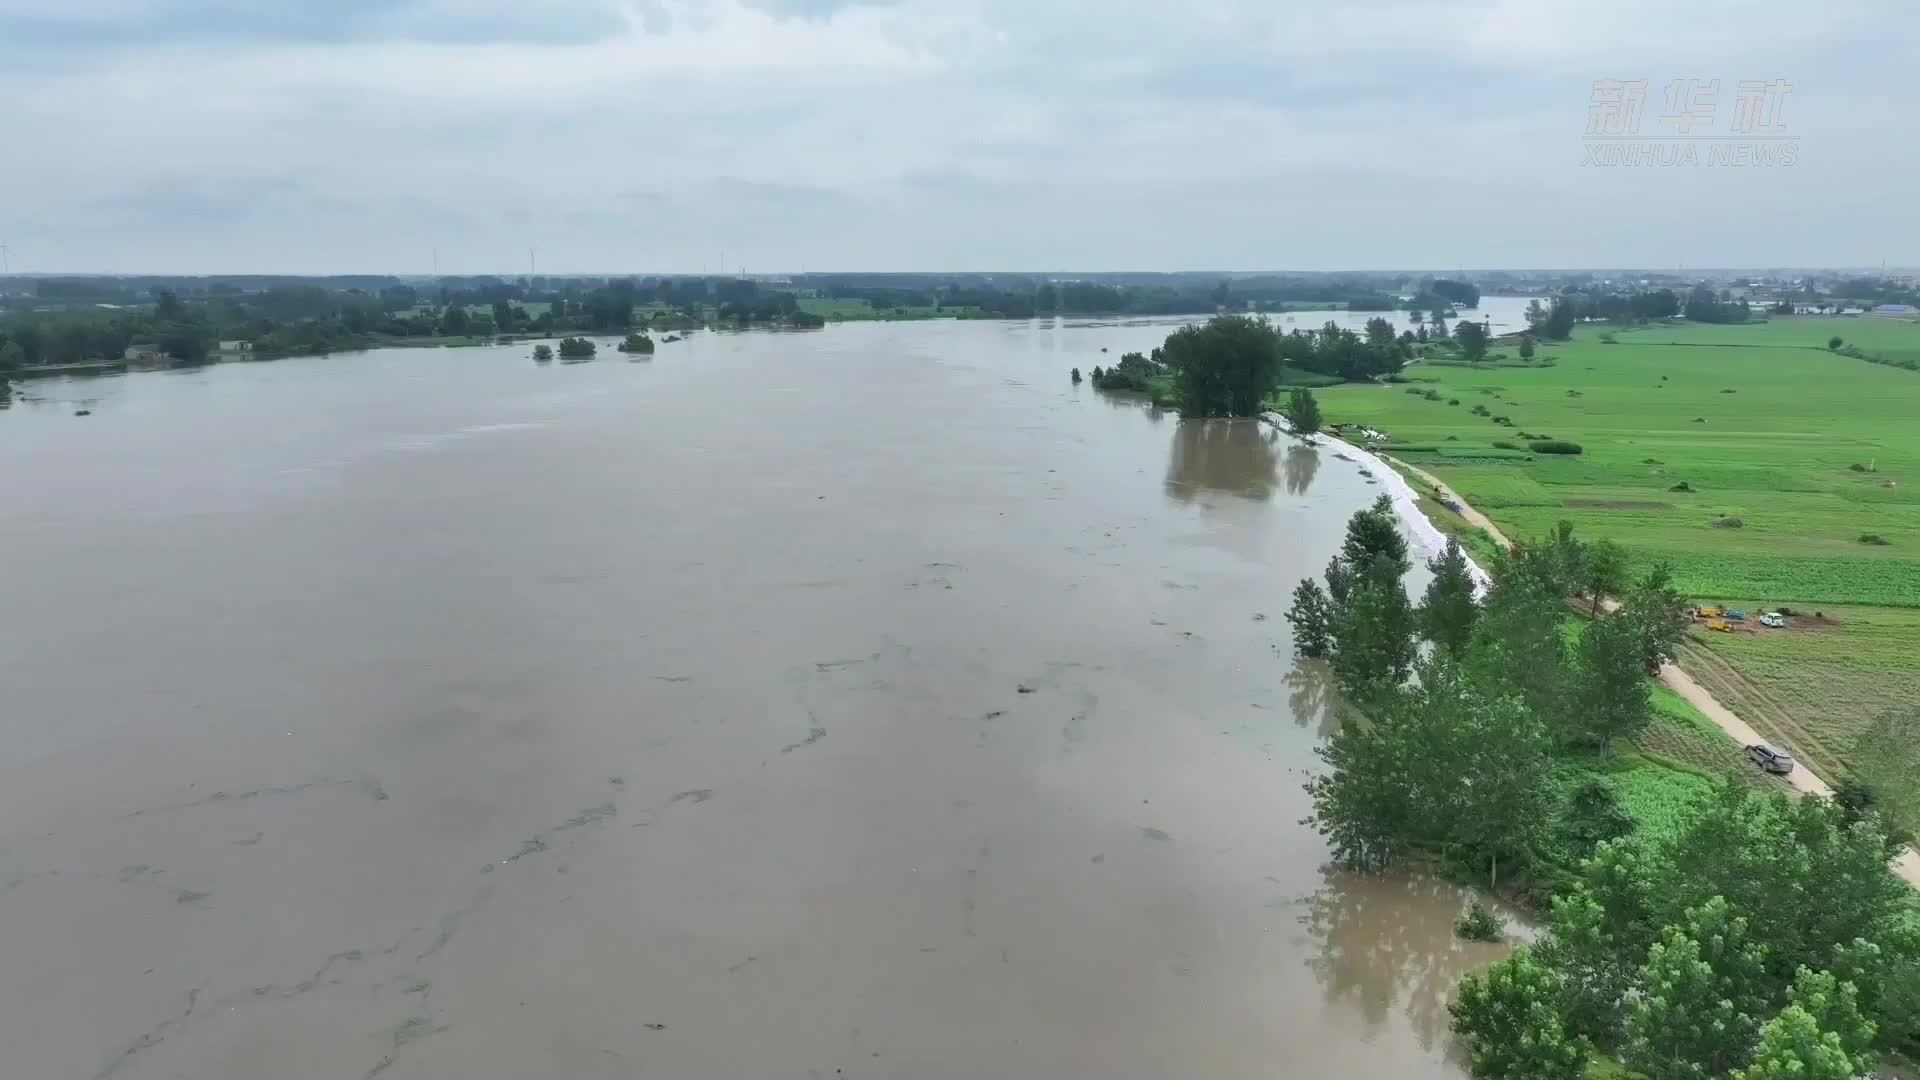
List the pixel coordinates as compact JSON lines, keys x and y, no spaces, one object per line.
{"x":1729,"y":452}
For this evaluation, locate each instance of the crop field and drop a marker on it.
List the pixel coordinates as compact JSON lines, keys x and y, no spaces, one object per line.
{"x":1765,"y":469}
{"x":1681,"y":736}
{"x":1662,"y":800}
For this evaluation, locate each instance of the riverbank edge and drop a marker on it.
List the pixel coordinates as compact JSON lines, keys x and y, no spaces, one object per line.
{"x":1427,"y":536}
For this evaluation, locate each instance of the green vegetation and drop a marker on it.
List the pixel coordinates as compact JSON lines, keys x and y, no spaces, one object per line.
{"x":1515,"y":677}
{"x":1697,"y":955}
{"x":1777,"y":455}
{"x":1232,"y":365}
{"x":1135,"y":372}
{"x":1303,"y":412}
{"x":576,"y":348}
{"x":637,"y":343}
{"x":1472,"y":338}
{"x":1480,"y":923}
{"x":1681,"y":941}
{"x":1510,"y":1025}
{"x":1887,"y":769}
{"x":543,"y":353}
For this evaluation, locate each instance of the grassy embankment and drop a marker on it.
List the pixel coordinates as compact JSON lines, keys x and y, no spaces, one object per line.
{"x":1763,"y":426}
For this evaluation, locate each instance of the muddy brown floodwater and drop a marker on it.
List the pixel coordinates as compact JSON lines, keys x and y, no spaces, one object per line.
{"x":861,"y":703}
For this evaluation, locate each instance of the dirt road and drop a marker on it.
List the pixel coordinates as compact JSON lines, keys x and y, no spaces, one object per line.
{"x":1467,"y":512}
{"x":1802,"y":778}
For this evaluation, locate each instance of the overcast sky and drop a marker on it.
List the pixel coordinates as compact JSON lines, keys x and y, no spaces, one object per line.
{"x":206,"y":136}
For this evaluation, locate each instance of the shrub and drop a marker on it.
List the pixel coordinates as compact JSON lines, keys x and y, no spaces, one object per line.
{"x":1503,"y":421}
{"x":1076,"y":376}
{"x":1507,"y":444}
{"x":1575,"y":393}
{"x":1608,"y":338}
{"x":1875,"y":539}
{"x":1453,"y":438}
{"x":1480,"y":924}
{"x":1834,"y":343}
{"x":1728,"y":523}
{"x":1481,"y":410}
{"x":1699,"y":419}
{"x":543,"y":352}
{"x":1729,"y":391}
{"x":1681,"y":486}
{"x":1453,"y":401}
{"x":1554,"y":446}
{"x":1415,"y":390}
{"x":1651,"y":461}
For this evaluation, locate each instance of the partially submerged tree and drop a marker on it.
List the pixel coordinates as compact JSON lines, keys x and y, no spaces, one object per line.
{"x":1226,"y":367}
{"x":1303,"y":412}
{"x":1373,"y":632}
{"x":1448,"y":611}
{"x":1441,"y":765}
{"x":1375,"y":531}
{"x":1510,"y":1025}
{"x":1312,"y":619}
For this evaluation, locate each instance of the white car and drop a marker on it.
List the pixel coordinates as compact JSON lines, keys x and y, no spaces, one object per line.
{"x":1770,"y":758}
{"x":1774,"y":619}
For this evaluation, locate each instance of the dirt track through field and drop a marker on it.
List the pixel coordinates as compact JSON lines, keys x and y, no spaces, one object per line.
{"x":1803,"y":779}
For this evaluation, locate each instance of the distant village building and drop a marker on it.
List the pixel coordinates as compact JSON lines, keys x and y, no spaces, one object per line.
{"x":145,"y":352}
{"x":235,"y":348}
{"x":1895,"y":309}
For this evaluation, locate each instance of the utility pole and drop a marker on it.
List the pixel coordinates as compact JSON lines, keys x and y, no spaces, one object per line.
{"x":6,"y":264}
{"x":533,"y":266}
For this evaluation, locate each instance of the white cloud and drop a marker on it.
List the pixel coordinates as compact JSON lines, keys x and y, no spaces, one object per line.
{"x":915,"y":134}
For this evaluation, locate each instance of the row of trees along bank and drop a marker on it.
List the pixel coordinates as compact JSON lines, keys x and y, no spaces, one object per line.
{"x":1762,"y":938}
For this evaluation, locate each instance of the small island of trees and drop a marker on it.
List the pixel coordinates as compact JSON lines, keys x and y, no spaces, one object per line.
{"x":576,"y":348}
{"x":1232,"y":365}
{"x":637,"y":343}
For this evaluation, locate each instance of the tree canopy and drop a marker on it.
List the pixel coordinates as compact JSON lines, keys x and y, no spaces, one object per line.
{"x":1226,"y":367}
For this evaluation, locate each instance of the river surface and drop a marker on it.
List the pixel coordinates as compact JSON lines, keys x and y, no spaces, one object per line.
{"x":869,"y":702}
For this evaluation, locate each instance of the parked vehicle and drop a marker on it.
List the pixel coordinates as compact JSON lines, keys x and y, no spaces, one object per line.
{"x":1771,"y":758}
{"x":1774,"y":619}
